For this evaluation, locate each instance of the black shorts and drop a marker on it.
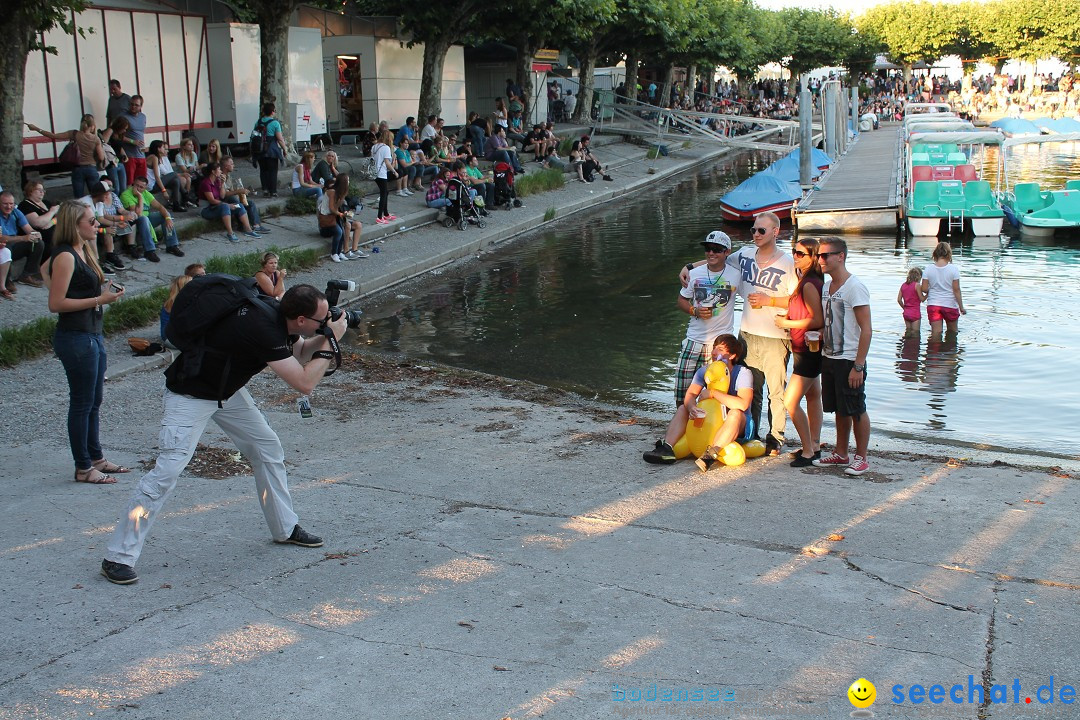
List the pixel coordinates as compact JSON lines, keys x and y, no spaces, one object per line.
{"x":806,"y":364}
{"x":836,"y":395}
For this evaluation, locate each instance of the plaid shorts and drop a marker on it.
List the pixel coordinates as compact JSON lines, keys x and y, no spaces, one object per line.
{"x":691,"y":357}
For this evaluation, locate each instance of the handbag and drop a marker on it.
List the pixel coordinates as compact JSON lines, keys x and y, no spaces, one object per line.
{"x":69,"y":157}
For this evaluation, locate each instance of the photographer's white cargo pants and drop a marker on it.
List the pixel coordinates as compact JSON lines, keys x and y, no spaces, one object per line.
{"x":182,"y":426}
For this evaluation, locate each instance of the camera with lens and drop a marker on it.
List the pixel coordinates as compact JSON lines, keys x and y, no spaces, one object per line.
{"x":333,"y":293}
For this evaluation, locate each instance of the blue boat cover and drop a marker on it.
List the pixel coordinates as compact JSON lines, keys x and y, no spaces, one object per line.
{"x":787,"y":168}
{"x":817,"y":157}
{"x":1062,"y":126}
{"x":1017,"y":126}
{"x":761,"y":191}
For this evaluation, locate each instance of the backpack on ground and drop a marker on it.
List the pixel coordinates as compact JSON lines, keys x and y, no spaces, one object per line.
{"x":202,"y":304}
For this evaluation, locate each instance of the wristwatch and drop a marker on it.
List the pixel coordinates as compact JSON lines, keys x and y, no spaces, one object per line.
{"x":859,"y":368}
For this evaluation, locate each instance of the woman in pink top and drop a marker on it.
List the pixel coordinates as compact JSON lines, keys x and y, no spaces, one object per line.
{"x":910,"y":298}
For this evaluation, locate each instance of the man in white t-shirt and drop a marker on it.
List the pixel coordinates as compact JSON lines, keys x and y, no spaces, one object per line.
{"x":709,"y":299}
{"x":767,"y":273}
{"x":845,"y":344}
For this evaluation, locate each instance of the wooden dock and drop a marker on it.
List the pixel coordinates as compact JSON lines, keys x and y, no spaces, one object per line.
{"x":861,"y":192}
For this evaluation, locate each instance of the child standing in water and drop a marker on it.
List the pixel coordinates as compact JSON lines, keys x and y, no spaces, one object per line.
{"x":910,"y":298}
{"x":941,"y":288}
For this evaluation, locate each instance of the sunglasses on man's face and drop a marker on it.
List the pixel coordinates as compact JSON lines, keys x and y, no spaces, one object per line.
{"x":760,"y":230}
{"x":825,"y":255}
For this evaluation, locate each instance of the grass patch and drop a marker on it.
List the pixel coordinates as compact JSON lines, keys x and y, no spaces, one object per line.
{"x":248,"y":263}
{"x":687,"y":145}
{"x":195,"y":228}
{"x":565,"y":145}
{"x":26,"y":341}
{"x":297,"y":205}
{"x":272,"y":211}
{"x":549,"y":215}
{"x":34,"y":339}
{"x":538,"y":182}
{"x":136,"y":311}
{"x":654,"y":152}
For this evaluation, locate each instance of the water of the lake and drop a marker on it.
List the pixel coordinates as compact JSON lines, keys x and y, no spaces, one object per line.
{"x":589,"y":305}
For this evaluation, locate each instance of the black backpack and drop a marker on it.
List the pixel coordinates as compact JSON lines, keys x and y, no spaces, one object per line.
{"x":260,"y":140}
{"x":199,"y":306}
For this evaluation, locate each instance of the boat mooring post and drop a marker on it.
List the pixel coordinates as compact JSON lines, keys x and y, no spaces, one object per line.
{"x":828,"y":106}
{"x":855,"y":108}
{"x":806,"y":134}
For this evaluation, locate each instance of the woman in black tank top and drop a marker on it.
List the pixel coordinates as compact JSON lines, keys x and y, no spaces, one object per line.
{"x":75,"y":292}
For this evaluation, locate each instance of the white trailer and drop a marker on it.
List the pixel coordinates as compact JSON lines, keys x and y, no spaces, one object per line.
{"x":235,"y":75}
{"x":167,"y":65}
{"x":307,"y":97}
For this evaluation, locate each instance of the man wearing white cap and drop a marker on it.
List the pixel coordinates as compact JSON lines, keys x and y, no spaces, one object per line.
{"x":709,"y":300}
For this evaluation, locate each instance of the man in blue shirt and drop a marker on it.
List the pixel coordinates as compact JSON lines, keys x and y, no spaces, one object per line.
{"x":408,"y":130}
{"x":22,"y":240}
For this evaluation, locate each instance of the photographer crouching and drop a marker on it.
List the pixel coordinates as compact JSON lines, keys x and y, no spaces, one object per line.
{"x":227,"y":333}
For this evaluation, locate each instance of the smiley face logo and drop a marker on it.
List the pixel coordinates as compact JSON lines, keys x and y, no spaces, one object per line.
{"x":862,"y":693}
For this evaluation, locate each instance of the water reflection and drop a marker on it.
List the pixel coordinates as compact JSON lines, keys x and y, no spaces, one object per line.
{"x":590,"y":305}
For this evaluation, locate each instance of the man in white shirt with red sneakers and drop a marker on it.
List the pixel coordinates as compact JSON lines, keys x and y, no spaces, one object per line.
{"x":845,"y":344}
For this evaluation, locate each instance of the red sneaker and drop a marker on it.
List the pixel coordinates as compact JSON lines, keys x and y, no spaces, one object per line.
{"x":832,"y":460}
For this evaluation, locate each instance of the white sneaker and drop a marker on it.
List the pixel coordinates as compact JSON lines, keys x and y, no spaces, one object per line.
{"x":400,"y":193}
{"x":409,"y":192}
{"x":335,"y":258}
{"x":358,"y":254}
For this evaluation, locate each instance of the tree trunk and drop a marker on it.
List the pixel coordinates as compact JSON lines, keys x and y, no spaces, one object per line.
{"x":669,"y":82}
{"x":274,"y":86}
{"x":907,"y":72}
{"x":691,"y":83}
{"x":631,"y":75}
{"x":13,"y":70}
{"x":583,"y":110}
{"x":526,"y":48}
{"x":431,"y":82}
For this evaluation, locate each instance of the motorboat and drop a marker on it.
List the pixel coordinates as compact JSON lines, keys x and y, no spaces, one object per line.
{"x":774,"y":189}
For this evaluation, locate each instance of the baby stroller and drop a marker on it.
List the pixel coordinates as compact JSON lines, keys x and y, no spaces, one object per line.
{"x":461,"y":210}
{"x":505,"y":196}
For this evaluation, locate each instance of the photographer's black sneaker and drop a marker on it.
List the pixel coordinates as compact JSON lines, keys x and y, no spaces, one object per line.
{"x":302,"y":537}
{"x":118,"y":573}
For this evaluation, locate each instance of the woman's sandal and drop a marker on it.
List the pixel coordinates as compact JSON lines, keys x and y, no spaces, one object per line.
{"x":107,"y":467}
{"x":93,"y":476}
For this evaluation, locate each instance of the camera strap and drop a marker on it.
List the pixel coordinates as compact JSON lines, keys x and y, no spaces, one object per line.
{"x":333,"y":354}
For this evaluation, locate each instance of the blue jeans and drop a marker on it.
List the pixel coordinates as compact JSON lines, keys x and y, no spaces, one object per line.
{"x":337,"y":238}
{"x":307,"y":192}
{"x":118,"y":177}
{"x":83,"y":178}
{"x":438,"y":203}
{"x":144,"y":231}
{"x":252,"y":211}
{"x":83,"y":357}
